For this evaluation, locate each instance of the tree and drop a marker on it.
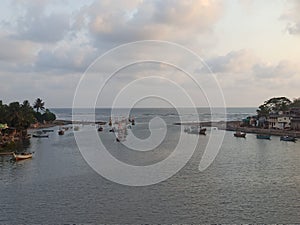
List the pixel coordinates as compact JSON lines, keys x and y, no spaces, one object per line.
{"x":275,"y":104}
{"x":39,"y":104}
{"x":48,"y":116}
{"x":295,"y":103}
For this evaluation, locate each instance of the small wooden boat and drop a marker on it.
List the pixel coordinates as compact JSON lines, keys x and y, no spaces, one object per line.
{"x":240,"y":134}
{"x":47,"y":131}
{"x":61,"y":132}
{"x":263,"y":136}
{"x":202,"y":131}
{"x":100,"y":129}
{"x":40,"y":135}
{"x":288,"y":138}
{"x":22,"y":156}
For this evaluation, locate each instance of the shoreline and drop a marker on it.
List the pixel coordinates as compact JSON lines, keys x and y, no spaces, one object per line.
{"x":235,"y":125}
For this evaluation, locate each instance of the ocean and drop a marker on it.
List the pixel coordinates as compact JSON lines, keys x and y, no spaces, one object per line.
{"x":248,"y":181}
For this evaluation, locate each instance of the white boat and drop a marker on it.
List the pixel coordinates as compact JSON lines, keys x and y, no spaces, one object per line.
{"x":22,"y":156}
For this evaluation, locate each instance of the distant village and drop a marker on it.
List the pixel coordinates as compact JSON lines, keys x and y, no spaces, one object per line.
{"x":278,"y":114}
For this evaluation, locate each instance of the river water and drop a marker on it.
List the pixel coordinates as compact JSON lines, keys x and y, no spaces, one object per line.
{"x":250,"y":181}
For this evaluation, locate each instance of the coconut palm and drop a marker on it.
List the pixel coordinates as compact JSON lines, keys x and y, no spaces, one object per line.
{"x":39,"y":104}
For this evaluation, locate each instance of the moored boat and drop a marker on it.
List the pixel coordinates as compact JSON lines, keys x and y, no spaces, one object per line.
{"x":195,"y":130}
{"x":202,"y":131}
{"x":288,"y":138}
{"x":100,"y":129}
{"x":47,"y":130}
{"x":263,"y":136}
{"x":40,"y":135}
{"x":240,"y":134}
{"x":22,"y":156}
{"x":61,"y":132}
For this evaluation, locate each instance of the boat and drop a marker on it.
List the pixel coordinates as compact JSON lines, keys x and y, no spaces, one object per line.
{"x":195,"y":130}
{"x":202,"y":131}
{"x":46,"y":131}
{"x":40,"y":135}
{"x":288,"y":138}
{"x":240,"y":134}
{"x":61,"y":132}
{"x":100,"y":128}
{"x":22,"y":156}
{"x":263,"y":136}
{"x":121,"y":131}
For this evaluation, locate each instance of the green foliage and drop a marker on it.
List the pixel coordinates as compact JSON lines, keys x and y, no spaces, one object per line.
{"x":21,"y":116}
{"x":39,"y":104}
{"x":277,"y":104}
{"x":48,"y":116}
{"x":295,"y":103}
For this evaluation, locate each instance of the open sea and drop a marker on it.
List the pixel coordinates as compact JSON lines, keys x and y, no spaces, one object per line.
{"x":249,"y":181}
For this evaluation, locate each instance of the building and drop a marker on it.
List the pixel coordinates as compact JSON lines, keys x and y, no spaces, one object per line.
{"x":295,"y":121}
{"x":280,"y":120}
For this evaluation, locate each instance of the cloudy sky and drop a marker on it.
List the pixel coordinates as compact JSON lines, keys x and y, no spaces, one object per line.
{"x":251,"y":46}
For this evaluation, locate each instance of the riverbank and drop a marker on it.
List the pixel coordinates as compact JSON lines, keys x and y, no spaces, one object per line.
{"x":236,"y":125}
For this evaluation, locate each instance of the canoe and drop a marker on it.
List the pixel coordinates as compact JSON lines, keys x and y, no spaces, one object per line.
{"x":40,"y":135}
{"x":240,"y":134}
{"x":288,"y":138}
{"x":263,"y":136}
{"x":22,"y":156}
{"x":202,"y":131}
{"x":46,"y":131}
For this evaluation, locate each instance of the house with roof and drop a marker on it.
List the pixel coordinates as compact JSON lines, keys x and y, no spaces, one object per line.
{"x":295,"y":121}
{"x":280,"y":120}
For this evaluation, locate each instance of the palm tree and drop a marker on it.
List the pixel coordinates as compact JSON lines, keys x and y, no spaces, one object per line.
{"x":39,"y":104}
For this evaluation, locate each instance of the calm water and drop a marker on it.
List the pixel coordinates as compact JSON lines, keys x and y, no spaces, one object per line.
{"x":250,"y":181}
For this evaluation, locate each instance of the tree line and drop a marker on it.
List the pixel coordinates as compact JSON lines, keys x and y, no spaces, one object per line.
{"x":277,"y":104}
{"x":22,"y":115}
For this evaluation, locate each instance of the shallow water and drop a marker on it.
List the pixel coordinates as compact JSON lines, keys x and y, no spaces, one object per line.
{"x":249,"y":181}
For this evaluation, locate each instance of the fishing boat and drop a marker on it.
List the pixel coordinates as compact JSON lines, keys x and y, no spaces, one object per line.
{"x":202,"y":131}
{"x":40,"y":134}
{"x":195,"y":130}
{"x":46,"y":131}
{"x":240,"y":134}
{"x":121,"y":131}
{"x":61,"y":132}
{"x":22,"y":156}
{"x":263,"y":136}
{"x":288,"y":138}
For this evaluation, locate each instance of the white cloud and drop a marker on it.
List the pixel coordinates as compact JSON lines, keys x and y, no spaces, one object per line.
{"x":292,"y":16}
{"x":119,"y":22}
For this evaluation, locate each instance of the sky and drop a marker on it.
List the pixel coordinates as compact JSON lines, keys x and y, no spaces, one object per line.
{"x":251,"y":48}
